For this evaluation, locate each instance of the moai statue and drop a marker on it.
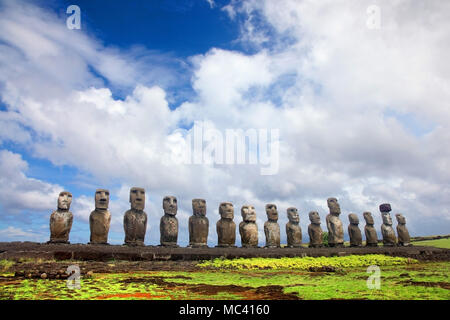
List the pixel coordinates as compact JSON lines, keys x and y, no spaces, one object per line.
{"x":334,"y":224}
{"x":61,"y":219}
{"x":168,"y":226}
{"x":402,"y":232}
{"x":100,"y":218}
{"x":293,"y":230}
{"x":271,"y":227}
{"x":369,"y":230}
{"x":315,"y":231}
{"x":135,"y":219}
{"x":226,"y":228}
{"x":353,"y":231}
{"x":198,"y":224}
{"x":387,"y":231}
{"x":248,"y":228}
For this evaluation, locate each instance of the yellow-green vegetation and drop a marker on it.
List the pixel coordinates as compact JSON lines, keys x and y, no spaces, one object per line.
{"x":398,"y":280}
{"x":439,"y":243}
{"x":306,"y":263}
{"x":5,"y":265}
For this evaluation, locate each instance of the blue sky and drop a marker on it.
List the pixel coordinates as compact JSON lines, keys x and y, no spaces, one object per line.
{"x":362,"y":114}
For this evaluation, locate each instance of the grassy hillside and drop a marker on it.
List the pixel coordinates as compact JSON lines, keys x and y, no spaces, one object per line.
{"x":440,"y":243}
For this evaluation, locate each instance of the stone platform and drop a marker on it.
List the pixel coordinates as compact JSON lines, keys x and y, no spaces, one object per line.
{"x":84,"y":252}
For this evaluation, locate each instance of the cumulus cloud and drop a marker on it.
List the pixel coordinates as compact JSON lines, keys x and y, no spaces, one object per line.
{"x":341,"y":94}
{"x":19,"y":192}
{"x":18,"y":234}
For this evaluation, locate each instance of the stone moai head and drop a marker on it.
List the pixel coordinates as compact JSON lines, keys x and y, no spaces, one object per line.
{"x":292,"y":214}
{"x":385,"y":207}
{"x":248,"y":213}
{"x":199,"y":207}
{"x":333,"y":205}
{"x":314,"y":217}
{"x":400,"y":218}
{"x":64,"y":200}
{"x":170,"y":205}
{"x":101,"y":199}
{"x":353,"y":218}
{"x":137,"y":198}
{"x":387,"y":220}
{"x":368,"y":217}
{"x":272,"y":212}
{"x":226,"y":210}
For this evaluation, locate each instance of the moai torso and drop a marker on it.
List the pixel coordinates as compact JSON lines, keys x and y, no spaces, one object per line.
{"x":271,"y":227}
{"x":293,"y":230}
{"x":334,"y":224}
{"x":387,"y":231}
{"x":100,"y":218}
{"x":315,"y":231}
{"x":369,"y":230}
{"x":198,"y":224}
{"x":61,"y":219}
{"x":354,"y":232}
{"x":403,"y":234}
{"x":248,"y":228}
{"x":135,"y":219}
{"x":169,"y":223}
{"x":226,"y":228}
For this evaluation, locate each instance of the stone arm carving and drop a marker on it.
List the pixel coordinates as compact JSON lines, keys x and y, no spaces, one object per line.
{"x":70,"y":221}
{"x":330,"y":228}
{"x":310,"y":233}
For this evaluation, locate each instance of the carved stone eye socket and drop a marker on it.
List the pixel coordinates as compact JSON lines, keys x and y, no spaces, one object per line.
{"x":175,"y":200}
{"x":107,"y":193}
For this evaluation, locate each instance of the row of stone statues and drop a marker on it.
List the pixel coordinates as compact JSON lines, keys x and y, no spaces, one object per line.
{"x":135,"y":224}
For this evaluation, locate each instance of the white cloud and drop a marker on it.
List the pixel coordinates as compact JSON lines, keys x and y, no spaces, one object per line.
{"x":19,"y":192}
{"x":18,"y":234}
{"x":211,"y":3}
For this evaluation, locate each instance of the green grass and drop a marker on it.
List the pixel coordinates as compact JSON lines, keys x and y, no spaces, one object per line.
{"x":5,"y":265}
{"x":439,"y":243}
{"x":306,"y":262}
{"x":400,"y":279}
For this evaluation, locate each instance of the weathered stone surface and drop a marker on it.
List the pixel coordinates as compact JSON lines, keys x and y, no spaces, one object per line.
{"x":387,"y":231}
{"x":353,"y":231}
{"x":369,"y":230}
{"x":226,"y":228}
{"x":135,"y":219}
{"x":100,"y":218}
{"x":168,"y":226}
{"x":334,"y":224}
{"x":403,"y":234}
{"x":315,"y":231}
{"x":248,"y":228}
{"x":293,"y":230}
{"x":61,"y":219}
{"x":271,"y":227}
{"x":198,"y":224}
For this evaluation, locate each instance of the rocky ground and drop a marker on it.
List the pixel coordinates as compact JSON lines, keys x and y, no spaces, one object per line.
{"x":36,"y":260}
